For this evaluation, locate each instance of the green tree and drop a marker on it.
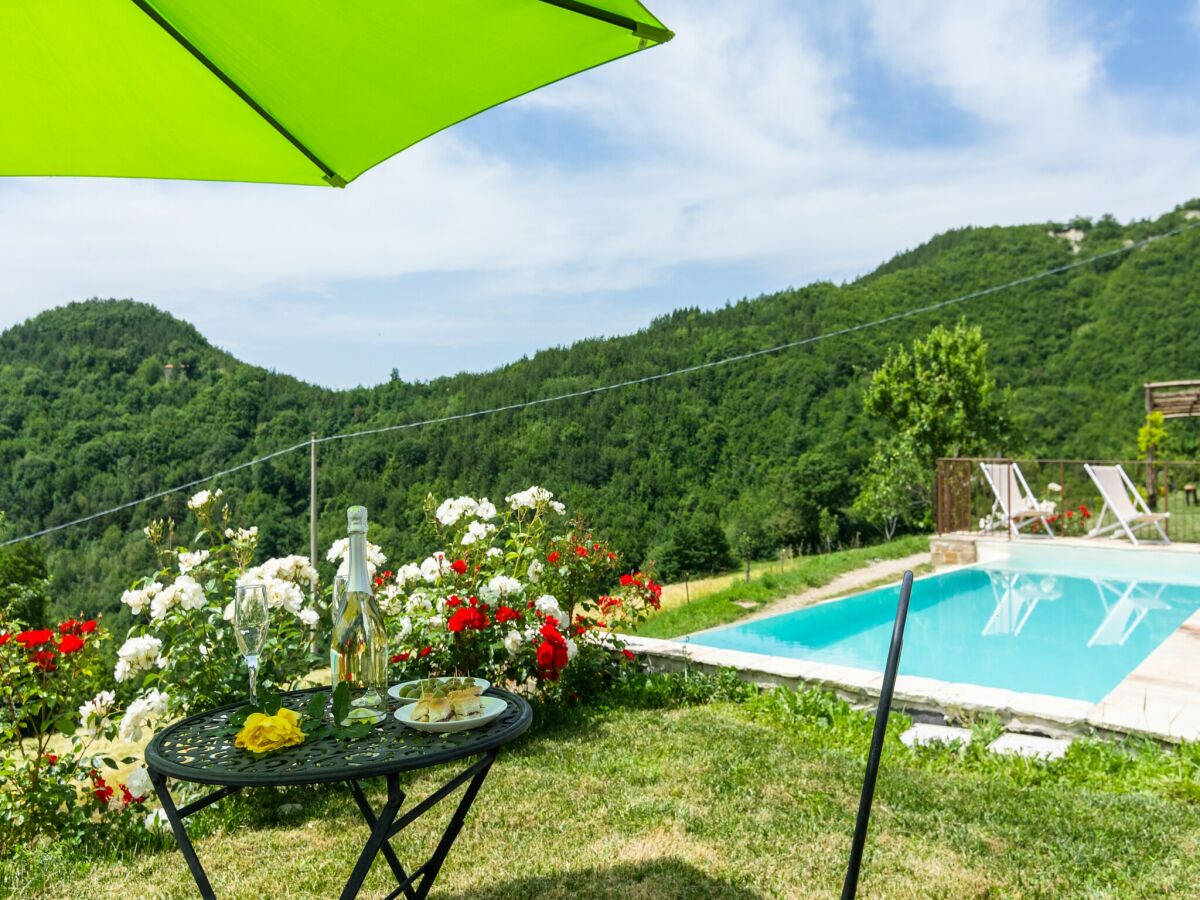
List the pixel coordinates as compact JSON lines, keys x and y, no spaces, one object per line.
{"x":892,"y":487}
{"x":24,"y":582}
{"x":828,"y":526}
{"x":940,"y":395}
{"x":938,"y":399}
{"x":694,"y":546}
{"x":816,"y":480}
{"x":1150,"y":439}
{"x":748,"y":539}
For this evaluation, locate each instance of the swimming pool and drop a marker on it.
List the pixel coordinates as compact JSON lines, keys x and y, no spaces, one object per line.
{"x":1004,"y":626}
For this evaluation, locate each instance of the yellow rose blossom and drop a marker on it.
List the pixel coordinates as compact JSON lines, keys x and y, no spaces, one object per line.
{"x":263,"y":733}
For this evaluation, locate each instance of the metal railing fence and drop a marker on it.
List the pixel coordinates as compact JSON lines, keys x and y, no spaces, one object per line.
{"x":964,"y":501}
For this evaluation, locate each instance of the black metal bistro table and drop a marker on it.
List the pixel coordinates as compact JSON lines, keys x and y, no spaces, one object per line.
{"x":200,"y":750}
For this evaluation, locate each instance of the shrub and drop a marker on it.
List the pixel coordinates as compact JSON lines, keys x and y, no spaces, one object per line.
{"x":182,"y":645}
{"x":523,"y":596}
{"x":50,"y":789}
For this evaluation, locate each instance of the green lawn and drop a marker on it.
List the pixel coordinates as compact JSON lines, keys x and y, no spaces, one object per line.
{"x":806,"y":572}
{"x":741,"y":797}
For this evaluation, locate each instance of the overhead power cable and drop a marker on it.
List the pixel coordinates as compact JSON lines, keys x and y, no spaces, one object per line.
{"x":658,"y":376}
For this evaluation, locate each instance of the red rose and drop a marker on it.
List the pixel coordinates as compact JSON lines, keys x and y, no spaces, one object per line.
{"x":387,"y":573}
{"x":553,"y":557}
{"x":45,"y":660}
{"x":628,"y":654}
{"x":88,"y":627}
{"x":127,"y":797}
{"x":459,"y":566}
{"x":425,"y":651}
{"x":68,"y":627}
{"x":473,"y":617}
{"x":474,"y":601}
{"x":378,"y":581}
{"x":611,"y":555}
{"x":545,"y":655}
{"x":507,"y":614}
{"x":626,"y":580}
{"x":31,"y":639}
{"x":102,"y":791}
{"x":4,"y":639}
{"x":460,"y":619}
{"x":595,"y":546}
{"x":560,"y":657}
{"x":453,"y":601}
{"x":581,"y":551}
{"x":400,"y":657}
{"x":51,"y":758}
{"x":70,"y":643}
{"x":1083,"y":511}
{"x":550,"y":633}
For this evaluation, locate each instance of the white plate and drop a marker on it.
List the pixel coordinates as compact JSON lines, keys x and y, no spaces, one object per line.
{"x":492,"y":707}
{"x":394,"y":690}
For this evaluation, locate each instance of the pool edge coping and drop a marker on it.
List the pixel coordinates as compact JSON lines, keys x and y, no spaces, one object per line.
{"x":1019,"y":711}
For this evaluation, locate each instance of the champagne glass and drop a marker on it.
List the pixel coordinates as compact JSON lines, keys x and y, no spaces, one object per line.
{"x":250,"y":619}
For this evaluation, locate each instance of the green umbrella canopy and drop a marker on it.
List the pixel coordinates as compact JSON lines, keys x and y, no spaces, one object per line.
{"x":288,"y":91}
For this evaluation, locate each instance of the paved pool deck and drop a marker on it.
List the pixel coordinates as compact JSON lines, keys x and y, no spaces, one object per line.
{"x":1159,"y":699}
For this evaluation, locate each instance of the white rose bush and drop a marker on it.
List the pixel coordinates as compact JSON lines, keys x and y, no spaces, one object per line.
{"x":180,"y":656}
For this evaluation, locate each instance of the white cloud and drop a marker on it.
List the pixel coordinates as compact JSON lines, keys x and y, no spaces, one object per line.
{"x":731,"y":149}
{"x":1013,"y":63}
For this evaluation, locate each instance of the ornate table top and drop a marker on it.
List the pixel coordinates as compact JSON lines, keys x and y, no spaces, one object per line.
{"x":198,"y":749}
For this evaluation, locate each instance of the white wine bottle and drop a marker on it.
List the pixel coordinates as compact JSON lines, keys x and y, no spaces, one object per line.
{"x":359,"y":652}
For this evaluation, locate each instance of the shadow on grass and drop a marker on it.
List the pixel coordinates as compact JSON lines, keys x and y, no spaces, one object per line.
{"x":660,"y":879}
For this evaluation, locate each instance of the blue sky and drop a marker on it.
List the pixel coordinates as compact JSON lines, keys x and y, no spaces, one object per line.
{"x":770,"y":144}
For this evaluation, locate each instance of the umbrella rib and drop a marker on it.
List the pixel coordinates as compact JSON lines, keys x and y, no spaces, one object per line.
{"x":328,"y":174}
{"x":639,"y":29}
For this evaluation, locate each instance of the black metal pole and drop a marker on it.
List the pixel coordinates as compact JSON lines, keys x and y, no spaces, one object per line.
{"x":850,"y":885}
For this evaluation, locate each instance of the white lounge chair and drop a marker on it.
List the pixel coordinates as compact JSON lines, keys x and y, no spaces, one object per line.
{"x":1122,"y":499}
{"x":1014,"y":500}
{"x":1125,"y":614}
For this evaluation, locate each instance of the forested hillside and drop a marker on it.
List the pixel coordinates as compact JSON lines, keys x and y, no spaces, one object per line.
{"x":102,"y":402}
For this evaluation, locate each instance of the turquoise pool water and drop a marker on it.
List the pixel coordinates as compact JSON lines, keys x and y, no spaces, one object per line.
{"x":1063,"y":635}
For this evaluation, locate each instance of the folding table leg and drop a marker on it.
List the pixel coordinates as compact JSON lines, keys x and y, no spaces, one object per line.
{"x":434,"y":865}
{"x":181,"y":836}
{"x":369,"y":814}
{"x":378,"y":836}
